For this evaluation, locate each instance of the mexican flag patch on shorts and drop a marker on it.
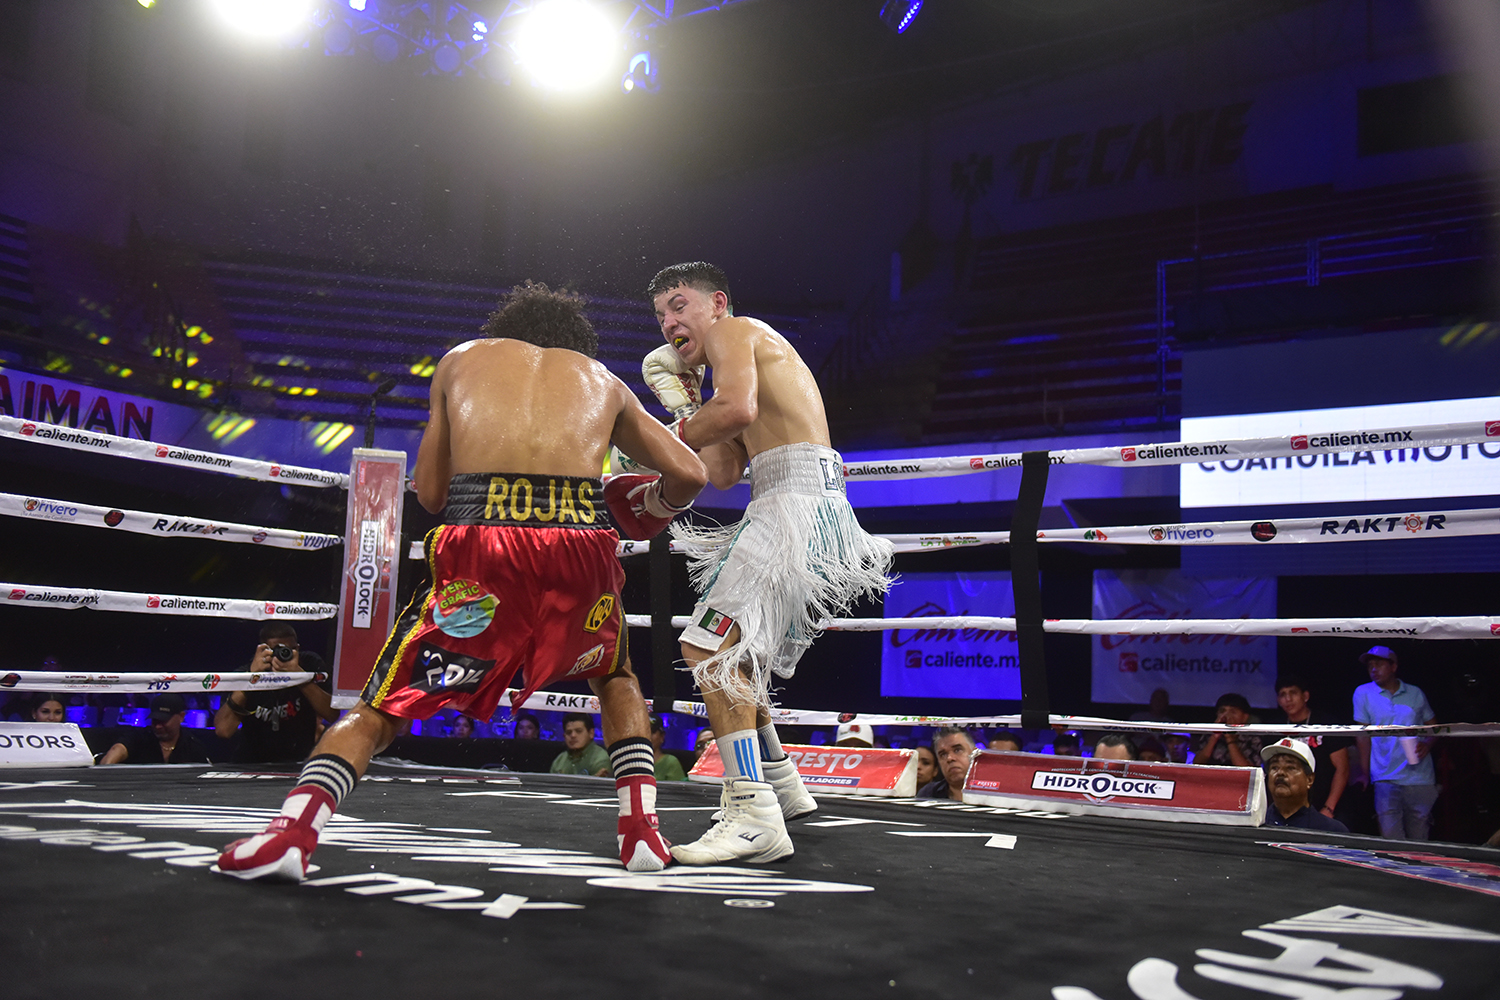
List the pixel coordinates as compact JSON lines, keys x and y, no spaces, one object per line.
{"x":716,"y":622}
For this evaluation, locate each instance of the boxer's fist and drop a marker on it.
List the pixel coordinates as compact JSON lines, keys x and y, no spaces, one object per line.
{"x":637,"y":506}
{"x":679,"y":387}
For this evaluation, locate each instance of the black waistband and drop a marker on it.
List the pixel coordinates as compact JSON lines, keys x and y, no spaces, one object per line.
{"x":526,"y":499}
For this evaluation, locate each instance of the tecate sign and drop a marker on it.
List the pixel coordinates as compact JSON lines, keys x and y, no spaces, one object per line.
{"x":1102,"y":785}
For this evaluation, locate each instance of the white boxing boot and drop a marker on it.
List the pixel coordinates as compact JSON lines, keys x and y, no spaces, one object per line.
{"x":750,"y":828}
{"x":791,"y":794}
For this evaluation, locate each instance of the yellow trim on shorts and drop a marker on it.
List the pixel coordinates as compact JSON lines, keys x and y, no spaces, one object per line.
{"x":429,"y":544}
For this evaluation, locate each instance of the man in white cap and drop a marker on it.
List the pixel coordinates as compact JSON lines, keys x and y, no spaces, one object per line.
{"x":1405,"y":783}
{"x":1289,"y":777}
{"x":855,"y":734}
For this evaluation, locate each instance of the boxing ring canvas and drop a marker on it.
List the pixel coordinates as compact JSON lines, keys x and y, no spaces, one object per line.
{"x":450,"y":882}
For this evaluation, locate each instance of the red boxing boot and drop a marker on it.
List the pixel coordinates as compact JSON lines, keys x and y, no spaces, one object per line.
{"x":281,"y":852}
{"x":642,"y":847}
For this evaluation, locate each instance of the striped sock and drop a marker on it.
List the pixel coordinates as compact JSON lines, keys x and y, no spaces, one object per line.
{"x":322,"y":785}
{"x":770,"y":743}
{"x":740,"y":752}
{"x":633,"y":756}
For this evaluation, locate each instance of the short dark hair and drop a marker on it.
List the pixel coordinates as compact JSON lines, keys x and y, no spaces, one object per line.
{"x":697,"y":274}
{"x":1065,"y":739}
{"x":1291,"y":681}
{"x":1010,"y":735}
{"x":1232,"y":700}
{"x":1117,"y":740}
{"x":538,"y":315}
{"x":656,"y":726}
{"x":583,"y":717}
{"x":942,"y":731}
{"x":277,"y":630}
{"x":528,"y":717}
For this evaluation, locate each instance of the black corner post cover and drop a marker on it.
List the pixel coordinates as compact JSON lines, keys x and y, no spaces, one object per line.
{"x":1026,"y":584}
{"x":663,"y":645}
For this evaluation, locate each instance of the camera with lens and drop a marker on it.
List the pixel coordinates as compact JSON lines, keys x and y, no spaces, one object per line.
{"x":283,"y":652}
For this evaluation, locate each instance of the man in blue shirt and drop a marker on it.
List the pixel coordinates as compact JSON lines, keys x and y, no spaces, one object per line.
{"x":1405,"y":785}
{"x":1289,"y":777}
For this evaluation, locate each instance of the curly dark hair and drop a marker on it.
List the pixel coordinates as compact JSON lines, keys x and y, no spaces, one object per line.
{"x":694,"y":274}
{"x":539,"y":315}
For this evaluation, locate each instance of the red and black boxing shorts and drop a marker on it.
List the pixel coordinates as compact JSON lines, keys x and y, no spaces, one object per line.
{"x":523,"y":573}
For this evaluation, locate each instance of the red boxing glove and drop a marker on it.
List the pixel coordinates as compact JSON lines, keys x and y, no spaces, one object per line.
{"x":636,"y":504}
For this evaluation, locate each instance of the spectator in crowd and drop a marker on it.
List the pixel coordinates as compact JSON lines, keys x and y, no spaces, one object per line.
{"x":527,"y":727}
{"x":162,"y":742}
{"x":49,"y":709}
{"x":927,"y":766}
{"x":954,"y":748}
{"x":1330,"y":753}
{"x":583,"y":755}
{"x":1149,"y":748}
{"x":668,"y":767}
{"x":463,"y":728}
{"x":1067,"y":745}
{"x":1114,"y":746}
{"x":1177,"y":746}
{"x":1405,"y":785}
{"x":854,"y":734}
{"x":1229,"y":749}
{"x":1004,"y":739}
{"x":1158,"y":710}
{"x":1290,"y":767}
{"x":884,"y":742}
{"x":705,"y":737}
{"x":280,"y":724}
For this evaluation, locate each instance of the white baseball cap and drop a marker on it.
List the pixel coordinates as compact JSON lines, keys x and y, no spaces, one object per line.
{"x":1290,"y":746}
{"x":861,"y":731}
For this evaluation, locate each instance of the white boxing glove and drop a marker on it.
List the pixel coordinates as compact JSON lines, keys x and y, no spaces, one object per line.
{"x":678,"y":387}
{"x":620,"y":464}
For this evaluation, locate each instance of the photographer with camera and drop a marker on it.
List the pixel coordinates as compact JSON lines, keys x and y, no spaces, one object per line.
{"x":281,"y":724}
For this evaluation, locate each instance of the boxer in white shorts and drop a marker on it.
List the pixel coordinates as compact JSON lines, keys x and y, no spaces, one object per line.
{"x":798,"y":555}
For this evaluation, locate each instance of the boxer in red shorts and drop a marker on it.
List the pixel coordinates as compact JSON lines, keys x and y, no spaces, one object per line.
{"x":522,"y":573}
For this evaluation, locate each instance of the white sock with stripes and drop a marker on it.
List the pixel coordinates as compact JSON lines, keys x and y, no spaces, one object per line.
{"x":740,"y":752}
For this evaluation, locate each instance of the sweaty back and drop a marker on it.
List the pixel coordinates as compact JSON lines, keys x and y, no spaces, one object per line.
{"x":514,"y":407}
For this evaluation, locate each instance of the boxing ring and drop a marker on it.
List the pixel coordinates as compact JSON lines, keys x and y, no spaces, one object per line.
{"x":893,"y":896}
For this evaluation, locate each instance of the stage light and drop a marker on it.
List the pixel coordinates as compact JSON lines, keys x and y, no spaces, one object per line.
{"x":899,"y":14}
{"x":566,"y":44}
{"x":266,"y":18}
{"x":640,"y":75}
{"x":480,"y":30}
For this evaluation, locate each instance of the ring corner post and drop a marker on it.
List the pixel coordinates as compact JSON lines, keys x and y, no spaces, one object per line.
{"x":1026,"y":584}
{"x":663,"y":649}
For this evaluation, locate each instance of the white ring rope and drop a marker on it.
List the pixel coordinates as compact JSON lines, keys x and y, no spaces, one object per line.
{"x":1282,"y":531}
{"x":163,"y":604}
{"x":545,"y":701}
{"x":1188,"y":452}
{"x":45,"y":680}
{"x":164,"y":454}
{"x":142,"y":522}
{"x":1461,"y":627}
{"x":1157,"y":453}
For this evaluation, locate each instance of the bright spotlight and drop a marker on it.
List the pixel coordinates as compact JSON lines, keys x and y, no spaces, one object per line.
{"x":265,"y":18}
{"x":566,"y":44}
{"x":899,"y":14}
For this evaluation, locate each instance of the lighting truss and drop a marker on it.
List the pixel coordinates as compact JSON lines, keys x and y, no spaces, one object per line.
{"x":470,"y":39}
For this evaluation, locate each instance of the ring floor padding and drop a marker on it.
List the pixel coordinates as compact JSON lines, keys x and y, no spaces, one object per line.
{"x":469,"y":883}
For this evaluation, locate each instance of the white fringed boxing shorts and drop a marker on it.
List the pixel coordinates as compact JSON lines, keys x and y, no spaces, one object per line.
{"x":797,"y":556}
